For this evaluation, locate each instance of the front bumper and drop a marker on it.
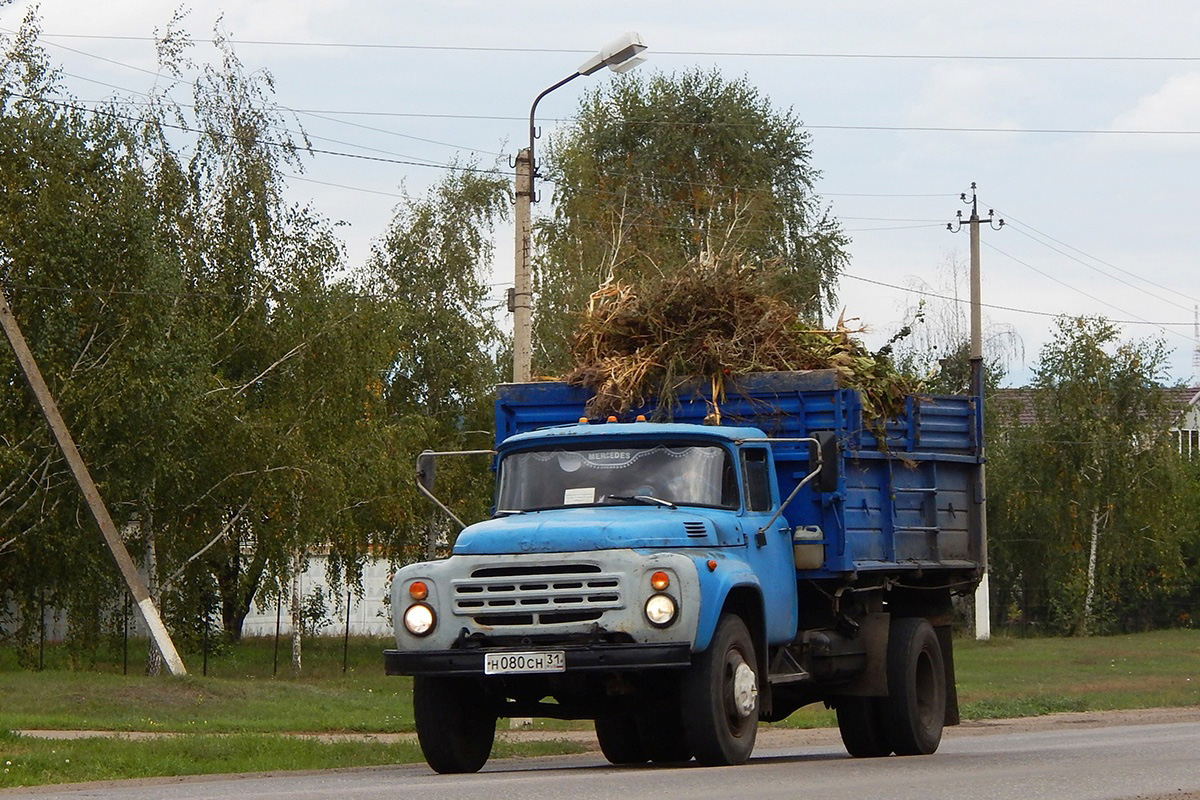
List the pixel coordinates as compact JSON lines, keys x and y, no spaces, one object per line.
{"x":579,"y":658}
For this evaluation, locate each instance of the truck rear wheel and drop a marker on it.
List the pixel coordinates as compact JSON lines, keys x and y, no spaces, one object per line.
{"x":863,"y":726}
{"x":456,"y":723}
{"x":619,"y":739}
{"x":916,"y":702}
{"x":720,"y":697}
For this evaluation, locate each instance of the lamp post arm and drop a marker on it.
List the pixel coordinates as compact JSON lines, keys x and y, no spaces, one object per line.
{"x":533,"y":110}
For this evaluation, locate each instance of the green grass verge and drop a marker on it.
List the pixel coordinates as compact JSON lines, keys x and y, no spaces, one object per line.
{"x":91,"y":701}
{"x":30,"y":762}
{"x":1005,"y":677}
{"x":239,"y":695}
{"x":1026,"y":677}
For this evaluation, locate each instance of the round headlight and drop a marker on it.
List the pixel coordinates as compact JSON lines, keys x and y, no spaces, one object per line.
{"x":418,"y":619}
{"x":660,"y":610}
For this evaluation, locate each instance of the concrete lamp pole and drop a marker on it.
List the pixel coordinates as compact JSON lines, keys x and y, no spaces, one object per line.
{"x":619,"y":55}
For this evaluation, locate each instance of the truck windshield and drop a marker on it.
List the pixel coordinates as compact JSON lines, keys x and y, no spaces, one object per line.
{"x":696,"y":475}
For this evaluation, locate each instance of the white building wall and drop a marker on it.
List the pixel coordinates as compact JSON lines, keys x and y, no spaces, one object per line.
{"x":369,"y":614}
{"x":1187,"y":432}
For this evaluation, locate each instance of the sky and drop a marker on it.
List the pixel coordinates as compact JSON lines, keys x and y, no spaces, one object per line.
{"x":1078,"y":122}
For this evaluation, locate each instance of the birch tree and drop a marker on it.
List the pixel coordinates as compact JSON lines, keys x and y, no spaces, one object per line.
{"x":1085,"y":518}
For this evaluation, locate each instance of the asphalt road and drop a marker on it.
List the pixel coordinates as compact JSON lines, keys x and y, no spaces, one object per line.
{"x":1118,"y":763}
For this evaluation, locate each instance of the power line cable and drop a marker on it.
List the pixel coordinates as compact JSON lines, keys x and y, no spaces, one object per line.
{"x":266,"y":142}
{"x":892,"y":128}
{"x":966,"y":301}
{"x":430,"y":163}
{"x":1102,"y":272}
{"x":313,"y":114}
{"x":75,"y":290}
{"x":804,"y":125}
{"x":344,"y":186}
{"x":1011,"y":219}
{"x":400,"y":159}
{"x":1074,"y":288}
{"x":939,"y":223}
{"x":600,"y":225}
{"x":706,"y":53}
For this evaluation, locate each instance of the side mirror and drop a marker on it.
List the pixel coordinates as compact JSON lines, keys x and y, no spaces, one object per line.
{"x":425,"y":470}
{"x":827,"y":480}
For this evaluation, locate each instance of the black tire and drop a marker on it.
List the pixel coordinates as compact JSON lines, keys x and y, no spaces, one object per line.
{"x":620,"y":740}
{"x":456,"y":723}
{"x":863,"y":726}
{"x":916,"y":703}
{"x":720,"y":697}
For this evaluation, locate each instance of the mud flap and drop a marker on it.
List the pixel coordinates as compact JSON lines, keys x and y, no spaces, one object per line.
{"x":945,"y":639}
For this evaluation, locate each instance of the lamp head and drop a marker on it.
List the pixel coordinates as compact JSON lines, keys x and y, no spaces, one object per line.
{"x":619,"y":55}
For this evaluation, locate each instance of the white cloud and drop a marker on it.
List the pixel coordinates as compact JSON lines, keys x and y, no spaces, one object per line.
{"x":1173,"y":107}
{"x":972,"y":96}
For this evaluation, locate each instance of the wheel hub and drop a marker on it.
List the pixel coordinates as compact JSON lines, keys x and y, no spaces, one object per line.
{"x":745,"y":690}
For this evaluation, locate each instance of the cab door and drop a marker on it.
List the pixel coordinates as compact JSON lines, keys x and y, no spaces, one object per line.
{"x":768,"y":549}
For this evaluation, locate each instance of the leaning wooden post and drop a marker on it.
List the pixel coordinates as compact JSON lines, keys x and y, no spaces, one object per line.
{"x":137,"y":586}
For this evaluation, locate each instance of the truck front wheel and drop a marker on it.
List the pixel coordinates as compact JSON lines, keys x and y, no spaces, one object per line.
{"x":916,"y":702}
{"x":456,"y":723}
{"x":720,"y":697}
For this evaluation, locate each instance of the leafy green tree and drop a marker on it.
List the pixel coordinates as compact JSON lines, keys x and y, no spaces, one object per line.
{"x":240,"y":399}
{"x":79,"y":259}
{"x":1084,"y":520}
{"x":223,"y":213}
{"x":657,"y":173}
{"x":430,"y":268}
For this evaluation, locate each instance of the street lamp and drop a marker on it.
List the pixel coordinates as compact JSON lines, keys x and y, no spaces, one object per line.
{"x":619,"y":55}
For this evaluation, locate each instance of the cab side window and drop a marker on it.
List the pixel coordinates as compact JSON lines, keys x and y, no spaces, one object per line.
{"x":756,"y":478}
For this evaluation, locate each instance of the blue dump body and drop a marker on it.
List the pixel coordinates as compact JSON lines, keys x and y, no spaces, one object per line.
{"x":908,"y":502}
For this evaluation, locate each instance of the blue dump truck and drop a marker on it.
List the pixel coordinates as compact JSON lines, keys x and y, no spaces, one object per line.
{"x":677,"y":582}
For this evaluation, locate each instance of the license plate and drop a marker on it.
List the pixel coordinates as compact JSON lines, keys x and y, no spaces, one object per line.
{"x":534,"y":661}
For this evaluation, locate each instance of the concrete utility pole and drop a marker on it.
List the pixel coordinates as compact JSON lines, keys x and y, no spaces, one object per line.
{"x":520,"y":301}
{"x":137,"y":587}
{"x":983,"y":605}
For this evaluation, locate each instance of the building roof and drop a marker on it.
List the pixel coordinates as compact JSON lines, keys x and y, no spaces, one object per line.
{"x":1179,"y":400}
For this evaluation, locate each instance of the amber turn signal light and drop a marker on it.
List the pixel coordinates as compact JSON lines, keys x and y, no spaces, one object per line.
{"x":417,"y":590}
{"x":660,"y":581}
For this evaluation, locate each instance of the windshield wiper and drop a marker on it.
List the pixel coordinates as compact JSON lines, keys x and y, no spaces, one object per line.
{"x":647,"y":499}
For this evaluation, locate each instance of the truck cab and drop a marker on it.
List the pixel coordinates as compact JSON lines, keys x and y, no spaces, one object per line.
{"x":611,"y":551}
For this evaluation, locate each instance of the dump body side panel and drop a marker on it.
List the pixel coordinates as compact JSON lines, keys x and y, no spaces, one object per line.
{"x":908,"y":493}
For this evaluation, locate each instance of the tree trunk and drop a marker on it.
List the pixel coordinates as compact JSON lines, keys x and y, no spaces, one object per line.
{"x":296,"y":609}
{"x":154,"y":660}
{"x":228,"y":575}
{"x":238,"y":587}
{"x":1090,"y":597}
